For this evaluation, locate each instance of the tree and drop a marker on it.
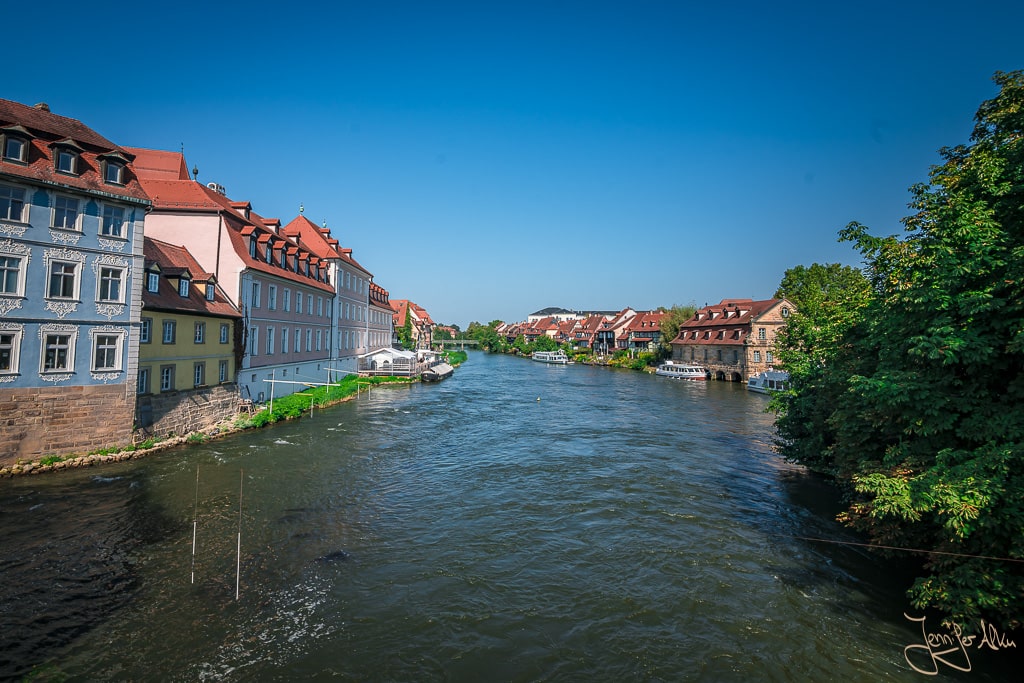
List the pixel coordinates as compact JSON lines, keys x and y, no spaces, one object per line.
{"x":916,"y":405}
{"x":677,"y":315}
{"x":405,"y":332}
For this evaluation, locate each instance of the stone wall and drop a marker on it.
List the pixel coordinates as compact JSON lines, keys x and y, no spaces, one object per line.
{"x":37,"y":422}
{"x":183,"y":412}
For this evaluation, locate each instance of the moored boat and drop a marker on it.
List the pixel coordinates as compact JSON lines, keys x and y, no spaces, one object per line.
{"x":681,"y":371}
{"x":437,"y":373}
{"x":556,"y":357}
{"x":768,"y":381}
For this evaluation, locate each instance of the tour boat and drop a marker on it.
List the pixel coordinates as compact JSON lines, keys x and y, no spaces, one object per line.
{"x":768,"y":381}
{"x":556,"y":357}
{"x":681,"y":371}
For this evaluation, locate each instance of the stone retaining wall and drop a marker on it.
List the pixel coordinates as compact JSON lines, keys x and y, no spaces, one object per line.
{"x":183,"y":412}
{"x":60,"y":420}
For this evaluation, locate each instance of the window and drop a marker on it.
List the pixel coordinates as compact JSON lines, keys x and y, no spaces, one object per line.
{"x":113,"y":221}
{"x":9,"y":355}
{"x":224,"y":333}
{"x":309,"y":339}
{"x":252,"y":246}
{"x":757,"y":356}
{"x":12,"y":203}
{"x":183,"y":284}
{"x":270,"y":340}
{"x":152,"y":282}
{"x":320,"y":306}
{"x":269,"y":253}
{"x":199,"y":374}
{"x":298,"y":340}
{"x":272,"y":297}
{"x":65,"y":213}
{"x":106,"y":352}
{"x":284,"y":340}
{"x":110,"y":284}
{"x":318,"y":335}
{"x":113,"y":172}
{"x":62,"y":280}
{"x":211,"y":291}
{"x":762,"y":333}
{"x":57,"y":352}
{"x":10,"y":275}
{"x":143,"y":386}
{"x":15,"y":149}
{"x":222,"y":371}
{"x":309,"y":304}
{"x":768,"y":357}
{"x":170,"y":331}
{"x":254,"y":339}
{"x":785,"y":312}
{"x":166,"y":378}
{"x":255,"y":295}
{"x":298,"y":302}
{"x":286,"y":298}
{"x":200,"y":336}
{"x":66,"y":160}
{"x":146,"y":331}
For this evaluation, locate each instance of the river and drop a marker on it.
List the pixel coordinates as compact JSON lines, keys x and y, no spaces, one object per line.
{"x":517,"y":522}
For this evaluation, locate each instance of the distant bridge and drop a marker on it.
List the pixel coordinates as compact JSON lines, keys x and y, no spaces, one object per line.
{"x":462,"y":343}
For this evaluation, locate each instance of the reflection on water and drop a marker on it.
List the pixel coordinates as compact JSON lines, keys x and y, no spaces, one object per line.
{"x":516,"y":522}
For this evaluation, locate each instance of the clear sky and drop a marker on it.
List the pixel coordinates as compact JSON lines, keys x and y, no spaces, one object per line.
{"x":489,"y":159}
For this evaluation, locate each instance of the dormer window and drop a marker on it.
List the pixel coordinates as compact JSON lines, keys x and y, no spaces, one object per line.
{"x":15,"y":148}
{"x":785,"y":312}
{"x":269,"y":254}
{"x":153,"y":282}
{"x":252,"y":246}
{"x":183,"y":287}
{"x":112,"y":168}
{"x":211,"y":291}
{"x":66,"y":161}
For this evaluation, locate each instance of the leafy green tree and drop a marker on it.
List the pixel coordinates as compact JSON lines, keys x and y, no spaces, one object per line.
{"x":917,"y":405}
{"x":677,"y":315}
{"x":405,"y":332}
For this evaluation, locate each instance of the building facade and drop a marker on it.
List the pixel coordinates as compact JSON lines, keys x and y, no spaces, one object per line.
{"x":733,"y":339}
{"x":283,"y":289}
{"x":380,"y":328}
{"x":187,"y":345}
{"x":71,"y":228}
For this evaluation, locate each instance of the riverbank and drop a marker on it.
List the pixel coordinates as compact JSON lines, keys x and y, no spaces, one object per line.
{"x":290,"y":407}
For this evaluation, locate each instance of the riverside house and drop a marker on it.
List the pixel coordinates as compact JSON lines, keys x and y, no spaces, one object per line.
{"x":71,"y":223}
{"x":733,"y":339}
{"x":281,"y":287}
{"x":380,"y":327}
{"x":187,"y":350}
{"x":350,"y":315}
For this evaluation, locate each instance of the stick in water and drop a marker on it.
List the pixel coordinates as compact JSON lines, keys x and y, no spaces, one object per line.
{"x":238,"y":561}
{"x":195,"y":524}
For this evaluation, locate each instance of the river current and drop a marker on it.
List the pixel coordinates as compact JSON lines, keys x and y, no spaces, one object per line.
{"x":516,"y":522}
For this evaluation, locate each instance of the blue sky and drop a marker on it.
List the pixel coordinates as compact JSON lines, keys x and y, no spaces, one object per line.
{"x":490,"y":159}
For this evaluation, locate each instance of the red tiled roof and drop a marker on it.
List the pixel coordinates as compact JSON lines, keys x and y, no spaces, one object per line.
{"x":157,"y":164}
{"x":44,"y":129}
{"x":175,"y":260}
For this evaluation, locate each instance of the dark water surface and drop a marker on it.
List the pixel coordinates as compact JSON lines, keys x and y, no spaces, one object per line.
{"x":517,"y":522}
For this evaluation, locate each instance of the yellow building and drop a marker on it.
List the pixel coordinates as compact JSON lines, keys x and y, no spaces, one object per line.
{"x":187,"y":344}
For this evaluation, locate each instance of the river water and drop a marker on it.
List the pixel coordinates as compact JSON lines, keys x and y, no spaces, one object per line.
{"x":518,"y":522}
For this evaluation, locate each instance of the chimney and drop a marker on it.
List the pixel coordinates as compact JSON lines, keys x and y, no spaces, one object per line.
{"x":43,"y":106}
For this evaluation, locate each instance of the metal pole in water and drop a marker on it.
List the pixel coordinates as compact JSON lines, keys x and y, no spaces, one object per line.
{"x":195,"y":524}
{"x":238,"y":560}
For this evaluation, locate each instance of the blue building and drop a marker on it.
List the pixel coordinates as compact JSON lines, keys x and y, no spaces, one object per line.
{"x":71,"y":267}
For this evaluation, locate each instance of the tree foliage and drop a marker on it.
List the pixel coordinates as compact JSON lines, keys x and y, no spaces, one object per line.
{"x":669,"y":327}
{"x":911,"y":394}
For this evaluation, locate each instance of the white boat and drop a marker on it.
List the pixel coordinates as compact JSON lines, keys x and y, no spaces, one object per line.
{"x":768,"y":381}
{"x":556,"y":357}
{"x":681,"y":371}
